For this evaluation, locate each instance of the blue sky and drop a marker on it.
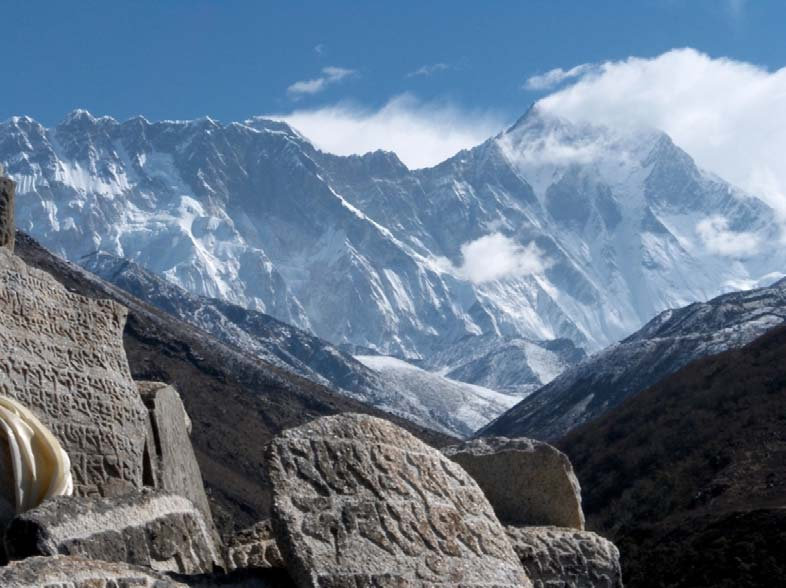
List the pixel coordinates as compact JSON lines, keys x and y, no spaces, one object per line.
{"x":425,"y":78}
{"x":232,"y":59}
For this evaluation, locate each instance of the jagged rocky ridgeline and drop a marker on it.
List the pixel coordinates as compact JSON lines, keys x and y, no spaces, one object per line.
{"x":359,"y":502}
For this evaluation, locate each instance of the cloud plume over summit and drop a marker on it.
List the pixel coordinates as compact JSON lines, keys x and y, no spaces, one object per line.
{"x":729,"y":115}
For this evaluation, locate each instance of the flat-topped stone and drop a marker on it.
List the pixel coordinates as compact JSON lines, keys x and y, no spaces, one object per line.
{"x":526,"y":481}
{"x":360,"y":502}
{"x":172,"y":466}
{"x":556,"y":557}
{"x":77,"y":572}
{"x":164,"y":532}
{"x":62,"y":357}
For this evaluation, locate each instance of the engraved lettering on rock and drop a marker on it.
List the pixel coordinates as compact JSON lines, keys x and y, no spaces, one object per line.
{"x":62,"y":356}
{"x":386,"y":496}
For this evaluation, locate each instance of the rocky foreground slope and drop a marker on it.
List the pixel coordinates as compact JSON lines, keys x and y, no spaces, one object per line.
{"x":689,"y":476}
{"x":357,"y":501}
{"x":664,"y":345}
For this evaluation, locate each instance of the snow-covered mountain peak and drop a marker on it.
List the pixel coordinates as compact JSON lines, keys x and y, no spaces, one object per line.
{"x":544,"y":148}
{"x":346,"y":246}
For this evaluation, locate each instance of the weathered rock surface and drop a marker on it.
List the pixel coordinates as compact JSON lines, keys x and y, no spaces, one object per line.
{"x":161,"y":531}
{"x":255,"y":547}
{"x":77,"y":572}
{"x":62,"y":356}
{"x":360,"y":502}
{"x":566,"y":558}
{"x":171,"y":465}
{"x":7,"y":227}
{"x":526,"y":481}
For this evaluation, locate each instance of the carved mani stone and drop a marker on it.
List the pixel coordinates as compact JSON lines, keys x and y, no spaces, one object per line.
{"x":7,"y":226}
{"x":76,"y":572}
{"x":164,"y":532}
{"x":359,"y":502}
{"x":62,"y":357}
{"x":526,"y":481}
{"x":172,"y":463}
{"x":566,"y":558}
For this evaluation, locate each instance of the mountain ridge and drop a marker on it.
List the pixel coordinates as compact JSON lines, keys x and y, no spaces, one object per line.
{"x":297,"y":351}
{"x":665,"y":344}
{"x":362,"y":251}
{"x":687,"y":477}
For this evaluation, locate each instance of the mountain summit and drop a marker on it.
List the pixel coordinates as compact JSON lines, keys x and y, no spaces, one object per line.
{"x":549,"y":230}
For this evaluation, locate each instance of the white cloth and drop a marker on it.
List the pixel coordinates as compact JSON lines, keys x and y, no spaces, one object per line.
{"x":41,"y":467}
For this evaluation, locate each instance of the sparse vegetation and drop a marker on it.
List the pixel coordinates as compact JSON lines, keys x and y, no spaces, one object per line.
{"x":689,"y":477}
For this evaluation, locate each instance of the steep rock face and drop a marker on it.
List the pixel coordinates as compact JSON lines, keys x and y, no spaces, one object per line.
{"x":162,"y":532}
{"x":527,"y":482}
{"x":36,"y":572}
{"x":172,"y":466}
{"x":452,"y":407}
{"x":555,"y":557}
{"x":664,"y":345}
{"x":361,"y":250}
{"x":688,"y":477}
{"x":360,"y":502}
{"x":62,"y":356}
{"x":276,"y":342}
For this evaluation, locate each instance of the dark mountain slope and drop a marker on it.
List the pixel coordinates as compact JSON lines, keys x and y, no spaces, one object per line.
{"x":271,"y":340}
{"x":688,"y":478}
{"x":668,"y":342}
{"x":237,"y":403}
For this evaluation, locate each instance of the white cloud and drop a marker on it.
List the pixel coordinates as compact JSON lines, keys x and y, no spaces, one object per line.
{"x":552,"y":148}
{"x":331,"y":75}
{"x":720,"y":240}
{"x":320,"y":49}
{"x":729,"y":115}
{"x":556,"y":76}
{"x":429,"y":70}
{"x":421,"y":134}
{"x":496,"y":257}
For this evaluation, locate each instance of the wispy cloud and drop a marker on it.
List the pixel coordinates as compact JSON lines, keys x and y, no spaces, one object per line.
{"x":729,"y":115}
{"x":330,"y":75}
{"x":719,"y":239}
{"x":554,"y":77}
{"x":496,"y":257}
{"x":421,"y":134}
{"x":320,"y":49}
{"x":428,"y":70}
